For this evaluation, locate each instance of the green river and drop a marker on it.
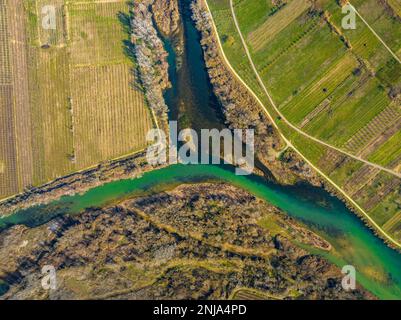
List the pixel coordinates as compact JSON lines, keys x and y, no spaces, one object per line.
{"x":378,"y":267}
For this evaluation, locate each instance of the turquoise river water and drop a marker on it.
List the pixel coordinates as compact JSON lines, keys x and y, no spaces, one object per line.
{"x":378,"y":267}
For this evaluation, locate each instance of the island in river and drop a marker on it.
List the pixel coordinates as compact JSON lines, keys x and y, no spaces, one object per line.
{"x":196,"y":241}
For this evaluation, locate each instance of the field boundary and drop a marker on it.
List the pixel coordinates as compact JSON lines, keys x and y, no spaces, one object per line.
{"x":374,"y":32}
{"x":277,"y":110}
{"x":353,"y":202}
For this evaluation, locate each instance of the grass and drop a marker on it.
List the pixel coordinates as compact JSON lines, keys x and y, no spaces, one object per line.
{"x":381,"y":21}
{"x":251,"y":294}
{"x":51,"y":36}
{"x":270,"y":223}
{"x":396,"y":5}
{"x":8,"y":183}
{"x":302,"y":104}
{"x":53,"y":138}
{"x":364,"y":42}
{"x":96,"y":33}
{"x":15,"y":126}
{"x":233,"y":48}
{"x":376,"y":192}
{"x":5,"y":65}
{"x":110,"y":117}
{"x":275,"y":23}
{"x":252,"y":16}
{"x":312,"y":75}
{"x":353,"y":113}
{"x":345,"y":171}
{"x":7,"y":149}
{"x":302,"y":64}
{"x":386,"y":210}
{"x":389,"y":151}
{"x":284,"y":41}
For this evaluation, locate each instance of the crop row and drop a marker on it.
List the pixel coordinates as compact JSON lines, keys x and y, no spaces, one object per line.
{"x":377,"y":126}
{"x":110,"y":118}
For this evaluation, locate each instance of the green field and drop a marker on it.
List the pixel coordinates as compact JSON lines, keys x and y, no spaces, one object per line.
{"x":337,"y":85}
{"x":388,"y":152}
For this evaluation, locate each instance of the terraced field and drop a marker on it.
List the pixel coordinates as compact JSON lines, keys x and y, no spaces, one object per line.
{"x":75,"y":104}
{"x":341,"y":87}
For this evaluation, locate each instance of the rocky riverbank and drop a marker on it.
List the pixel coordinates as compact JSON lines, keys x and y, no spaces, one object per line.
{"x":198,"y":241}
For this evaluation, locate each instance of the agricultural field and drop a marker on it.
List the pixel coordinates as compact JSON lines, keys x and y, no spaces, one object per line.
{"x":396,"y":6}
{"x":337,"y":85}
{"x":276,"y":23}
{"x":113,"y":118}
{"x":342,"y":87}
{"x":77,"y":105}
{"x":16,"y":159}
{"x":7,"y":145}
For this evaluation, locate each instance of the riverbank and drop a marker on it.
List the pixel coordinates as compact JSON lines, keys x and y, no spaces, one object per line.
{"x":350,"y":243}
{"x":130,"y":167}
{"x":242,"y":111}
{"x":170,"y":245}
{"x":304,"y":171}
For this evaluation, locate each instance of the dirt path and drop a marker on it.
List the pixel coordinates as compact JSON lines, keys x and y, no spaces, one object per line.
{"x":392,"y":172}
{"x":347,"y":197}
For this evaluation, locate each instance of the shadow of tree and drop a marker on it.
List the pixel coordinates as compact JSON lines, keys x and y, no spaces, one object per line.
{"x":128,"y":47}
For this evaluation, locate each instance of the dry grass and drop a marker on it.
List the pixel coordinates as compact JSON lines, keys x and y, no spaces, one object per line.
{"x":16,"y":157}
{"x":396,"y":5}
{"x":110,"y":118}
{"x":68,"y":106}
{"x":96,"y":33}
{"x":8,"y":182}
{"x":50,"y":36}
{"x":276,"y":23}
{"x":53,"y":139}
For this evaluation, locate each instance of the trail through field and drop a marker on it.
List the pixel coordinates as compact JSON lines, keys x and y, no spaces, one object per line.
{"x":345,"y":194}
{"x":284,"y":118}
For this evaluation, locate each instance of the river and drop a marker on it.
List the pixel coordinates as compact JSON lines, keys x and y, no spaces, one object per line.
{"x":378,"y":267}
